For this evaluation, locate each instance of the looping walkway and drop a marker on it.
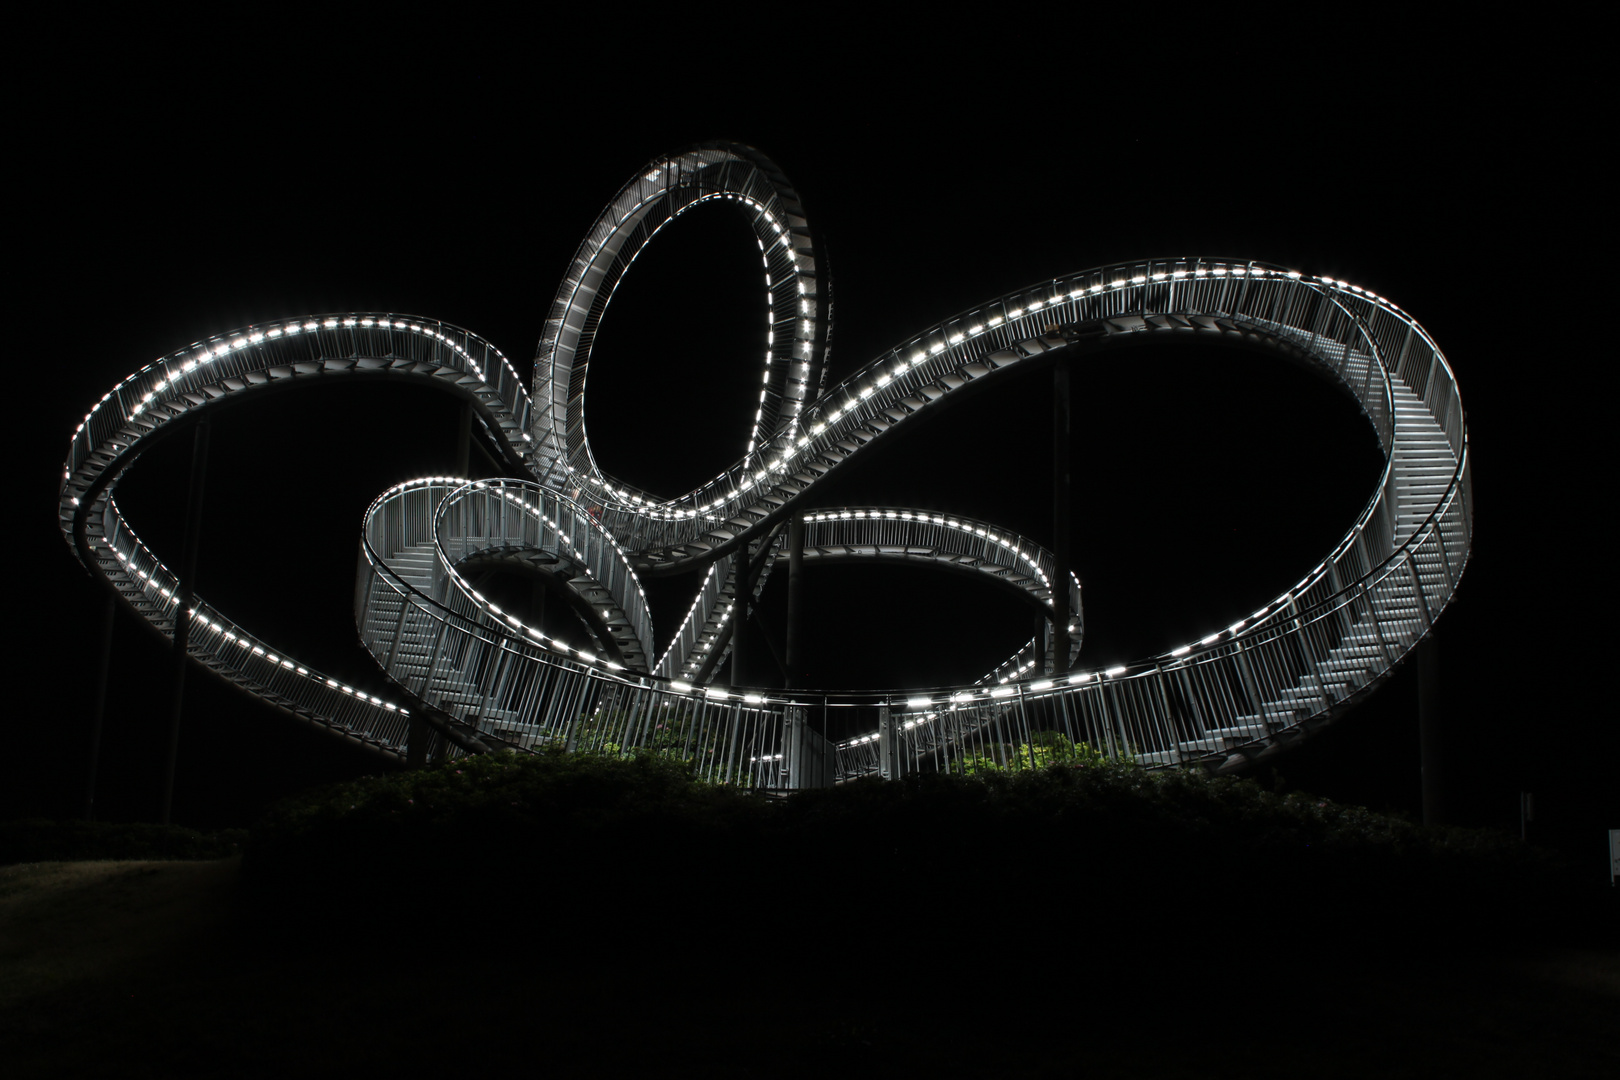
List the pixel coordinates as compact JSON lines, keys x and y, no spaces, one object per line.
{"x":485,"y":679}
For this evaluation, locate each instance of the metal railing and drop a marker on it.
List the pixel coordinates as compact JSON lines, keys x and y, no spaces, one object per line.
{"x":1233,"y":696}
{"x":1182,"y":295}
{"x":1227,"y":702}
{"x":518,"y":518}
{"x":794,"y":362}
{"x":453,"y":651}
{"x":227,"y":368}
{"x":891,"y":534}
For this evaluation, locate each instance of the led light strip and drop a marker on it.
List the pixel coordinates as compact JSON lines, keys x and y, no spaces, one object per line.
{"x":875,"y":398}
{"x":860,"y":399}
{"x":714,"y":172}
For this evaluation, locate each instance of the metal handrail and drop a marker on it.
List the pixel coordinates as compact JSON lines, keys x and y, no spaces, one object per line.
{"x":883,"y":533}
{"x":532,"y":518}
{"x":957,"y":343}
{"x":1231,"y":697}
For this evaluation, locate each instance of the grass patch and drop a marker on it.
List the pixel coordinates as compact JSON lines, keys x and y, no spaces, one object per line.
{"x":65,"y":923}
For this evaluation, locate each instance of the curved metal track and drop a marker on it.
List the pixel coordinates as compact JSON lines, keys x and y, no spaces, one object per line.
{"x":484,"y":678}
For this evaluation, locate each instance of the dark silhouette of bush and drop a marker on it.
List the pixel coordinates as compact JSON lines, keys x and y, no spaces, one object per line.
{"x":562,"y":841}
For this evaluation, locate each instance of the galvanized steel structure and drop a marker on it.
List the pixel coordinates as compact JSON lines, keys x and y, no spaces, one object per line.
{"x":483,"y":679}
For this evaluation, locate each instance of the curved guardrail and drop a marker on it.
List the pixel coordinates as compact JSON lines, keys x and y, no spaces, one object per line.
{"x":485,"y":678}
{"x":798,"y":299}
{"x":937,"y":541}
{"x":256,"y":360}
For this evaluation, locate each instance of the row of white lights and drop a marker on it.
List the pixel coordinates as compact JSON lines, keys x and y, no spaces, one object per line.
{"x":782,"y":239}
{"x":904,"y":515}
{"x":651,"y":506}
{"x":662,"y":510}
{"x":691,"y":614}
{"x":858,"y":390}
{"x":173,"y":376}
{"x":554,"y":644}
{"x":557,"y":527}
{"x":208,"y":355}
{"x":1012,"y":545}
{"x":172,"y":369}
{"x":708,"y":640}
{"x":556,"y":523}
{"x":920,"y":356}
{"x":243,"y":641}
{"x":916,"y":359}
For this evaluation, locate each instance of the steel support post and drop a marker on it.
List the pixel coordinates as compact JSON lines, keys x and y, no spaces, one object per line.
{"x":1040,"y":642}
{"x":464,"y":441}
{"x":416,"y":741}
{"x":1164,"y":703}
{"x":1240,"y":660}
{"x":739,"y":617}
{"x":100,"y":709}
{"x":795,"y":602}
{"x":794,"y":765}
{"x":182,"y":608}
{"x":1060,"y":515}
{"x":1117,"y":715}
{"x":888,"y":745}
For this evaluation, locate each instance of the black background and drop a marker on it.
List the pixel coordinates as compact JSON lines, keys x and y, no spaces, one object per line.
{"x":214,"y":179}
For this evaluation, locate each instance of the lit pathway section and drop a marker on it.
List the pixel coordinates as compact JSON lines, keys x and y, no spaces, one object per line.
{"x":230,"y":367}
{"x":1237,"y":693}
{"x":453,"y":648}
{"x":519,"y":524}
{"x":877,"y":534}
{"x":797,"y":309}
{"x":1253,"y":687}
{"x":508,"y":684}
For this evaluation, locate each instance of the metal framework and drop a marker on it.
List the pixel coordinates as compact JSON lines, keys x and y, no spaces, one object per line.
{"x":483,"y":679}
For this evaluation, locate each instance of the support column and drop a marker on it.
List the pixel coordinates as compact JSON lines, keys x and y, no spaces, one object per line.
{"x":100,"y":709}
{"x":182,"y":611}
{"x":1040,"y":642}
{"x":1430,"y":744}
{"x":806,"y":756}
{"x":795,"y":602}
{"x":416,"y":741}
{"x":464,"y":441}
{"x":739,"y":617}
{"x":1061,"y":615}
{"x":890,"y":757}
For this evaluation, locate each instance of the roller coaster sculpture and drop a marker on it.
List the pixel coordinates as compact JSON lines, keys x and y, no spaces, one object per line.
{"x":474,"y":677}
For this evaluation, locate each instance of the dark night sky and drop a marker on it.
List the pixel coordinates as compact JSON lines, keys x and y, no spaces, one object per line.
{"x":164,"y":209}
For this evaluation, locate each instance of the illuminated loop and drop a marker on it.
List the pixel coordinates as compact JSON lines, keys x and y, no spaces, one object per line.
{"x":798,"y":306}
{"x":483,"y":678}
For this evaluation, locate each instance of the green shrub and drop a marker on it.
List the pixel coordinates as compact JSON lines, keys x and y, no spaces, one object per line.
{"x":1044,"y":749}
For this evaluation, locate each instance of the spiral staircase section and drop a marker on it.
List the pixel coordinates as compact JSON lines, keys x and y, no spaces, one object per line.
{"x":486,"y":679}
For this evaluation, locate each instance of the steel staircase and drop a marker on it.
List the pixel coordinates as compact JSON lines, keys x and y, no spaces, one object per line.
{"x":1235,"y":695}
{"x":418,"y":659}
